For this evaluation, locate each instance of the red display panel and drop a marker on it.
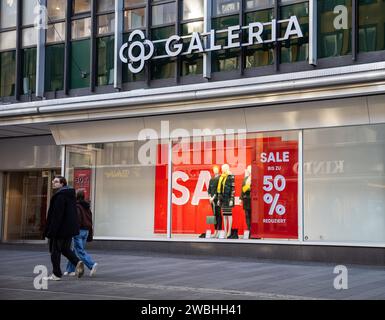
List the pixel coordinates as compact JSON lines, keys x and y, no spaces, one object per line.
{"x":82,"y":181}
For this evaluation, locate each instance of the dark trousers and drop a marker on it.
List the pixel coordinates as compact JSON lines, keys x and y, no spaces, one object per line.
{"x":58,"y":247}
{"x":248,"y":217}
{"x":218,"y":216}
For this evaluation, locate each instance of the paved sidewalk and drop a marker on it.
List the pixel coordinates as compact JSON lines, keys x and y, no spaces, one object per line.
{"x":134,"y":275}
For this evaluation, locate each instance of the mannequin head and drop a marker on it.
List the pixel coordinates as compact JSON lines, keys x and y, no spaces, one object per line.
{"x":225,"y":168}
{"x":215,"y":170}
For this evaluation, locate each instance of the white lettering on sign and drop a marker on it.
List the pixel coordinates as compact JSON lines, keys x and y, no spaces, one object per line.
{"x":138,"y":49}
{"x":275,"y":157}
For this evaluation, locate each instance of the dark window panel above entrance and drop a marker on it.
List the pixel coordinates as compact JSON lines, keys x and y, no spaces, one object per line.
{"x":7,"y":73}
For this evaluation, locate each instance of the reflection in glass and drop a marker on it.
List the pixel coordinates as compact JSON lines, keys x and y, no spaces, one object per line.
{"x":7,"y":14}
{"x":28,"y":11}
{"x":54,"y":67}
{"x":81,"y":28}
{"x":106,"y":23}
{"x":7,"y":73}
{"x":128,"y":3}
{"x":105,"y":57}
{"x":7,"y":40}
{"x":191,"y":64}
{"x":192,"y":9}
{"x":164,"y":13}
{"x":56,"y":9}
{"x":56,"y":32}
{"x":80,"y":64}
{"x":259,"y":4}
{"x":29,"y":37}
{"x":80,"y":6}
{"x":29,"y":70}
{"x":135,"y":18}
{"x":224,"y":7}
{"x":105,"y":5}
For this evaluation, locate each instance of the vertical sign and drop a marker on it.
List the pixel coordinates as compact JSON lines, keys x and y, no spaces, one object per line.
{"x":82,"y":181}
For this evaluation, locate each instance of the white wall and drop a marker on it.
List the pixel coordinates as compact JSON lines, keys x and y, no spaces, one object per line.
{"x":29,"y":153}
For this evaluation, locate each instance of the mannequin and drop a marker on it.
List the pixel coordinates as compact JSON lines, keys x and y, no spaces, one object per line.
{"x":245,"y":196}
{"x":212,"y":191}
{"x":226,"y":191}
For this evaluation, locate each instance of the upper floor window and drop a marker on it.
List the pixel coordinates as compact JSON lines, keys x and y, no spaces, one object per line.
{"x":225,"y":7}
{"x":28,"y":11}
{"x":105,"y":5}
{"x":7,"y":14}
{"x":163,"y":14}
{"x":192,"y":9}
{"x":81,"y":6}
{"x":56,"y":9}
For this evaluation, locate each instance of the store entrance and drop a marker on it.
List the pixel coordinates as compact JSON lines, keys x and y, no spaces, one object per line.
{"x":25,"y":204}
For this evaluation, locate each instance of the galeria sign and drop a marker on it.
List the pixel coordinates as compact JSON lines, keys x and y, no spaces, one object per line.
{"x":137,"y":52}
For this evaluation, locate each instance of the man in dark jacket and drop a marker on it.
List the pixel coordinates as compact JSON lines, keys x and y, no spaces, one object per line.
{"x":62,"y":225}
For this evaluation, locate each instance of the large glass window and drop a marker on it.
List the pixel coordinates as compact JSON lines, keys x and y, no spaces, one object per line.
{"x":334,"y":27}
{"x":105,"y":5}
{"x":106,"y":24}
{"x":81,"y":28}
{"x":225,"y":7}
{"x":56,"y":32}
{"x":7,"y":40}
{"x":294,"y":50}
{"x":54,"y":67}
{"x":134,"y":18}
{"x":120,"y":188}
{"x":371,"y":25}
{"x":7,"y":73}
{"x":192,"y":9}
{"x":344,"y":193}
{"x":7,"y":14}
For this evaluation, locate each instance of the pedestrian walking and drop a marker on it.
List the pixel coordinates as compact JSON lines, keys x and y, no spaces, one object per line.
{"x":62,"y":225}
{"x":85,"y":235}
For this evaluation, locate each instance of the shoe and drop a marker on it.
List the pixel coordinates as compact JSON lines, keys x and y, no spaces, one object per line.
{"x":52,"y":277}
{"x":93,"y":270}
{"x":71,"y":274}
{"x":79,"y":270}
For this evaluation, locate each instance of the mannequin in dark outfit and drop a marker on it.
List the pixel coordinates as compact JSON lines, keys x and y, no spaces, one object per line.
{"x":245,"y":196}
{"x":212,"y":191}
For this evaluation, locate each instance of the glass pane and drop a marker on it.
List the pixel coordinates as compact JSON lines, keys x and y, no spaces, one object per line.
{"x":191,"y":64}
{"x":81,"y":28}
{"x":251,"y":180}
{"x":29,"y":70}
{"x":80,"y":64}
{"x":371,"y":25}
{"x":162,"y":68}
{"x":225,"y":60}
{"x":192,"y":9}
{"x":260,"y":54}
{"x":7,"y":73}
{"x":56,"y":9}
{"x":56,"y":32}
{"x":105,"y":56}
{"x":106,"y":23}
{"x":124,"y":198}
{"x":7,"y":40}
{"x":29,"y":11}
{"x":80,"y":6}
{"x":54,"y":67}
{"x":259,"y":4}
{"x":294,"y":50}
{"x":134,"y":19}
{"x":164,"y":13}
{"x":334,"y":29}
{"x":7,"y":14}
{"x":223,"y":7}
{"x":105,"y":5}
{"x":344,"y":179}
{"x":128,"y":3}
{"x":29,"y":37}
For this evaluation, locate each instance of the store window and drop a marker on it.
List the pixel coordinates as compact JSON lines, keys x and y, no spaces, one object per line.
{"x":7,"y":73}
{"x":294,"y":50}
{"x":371,"y":35}
{"x":334,"y":28}
{"x":344,"y":179}
{"x":254,"y":176}
{"x":7,"y":14}
{"x":120,"y":188}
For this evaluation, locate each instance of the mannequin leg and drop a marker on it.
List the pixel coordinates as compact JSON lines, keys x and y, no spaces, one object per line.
{"x":230,"y":222}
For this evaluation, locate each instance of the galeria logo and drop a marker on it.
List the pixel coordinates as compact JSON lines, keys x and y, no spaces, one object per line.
{"x":142,"y":57}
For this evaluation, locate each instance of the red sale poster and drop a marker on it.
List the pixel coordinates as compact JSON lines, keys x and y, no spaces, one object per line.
{"x":273,"y":188}
{"x":82,"y":181}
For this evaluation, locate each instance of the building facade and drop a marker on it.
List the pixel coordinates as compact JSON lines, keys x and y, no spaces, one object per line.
{"x":136,"y":102}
